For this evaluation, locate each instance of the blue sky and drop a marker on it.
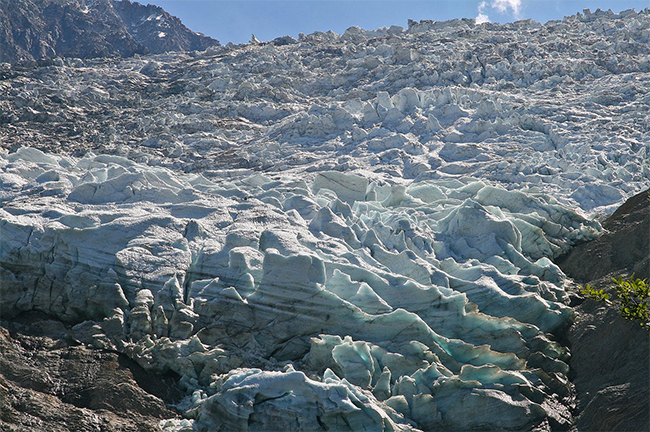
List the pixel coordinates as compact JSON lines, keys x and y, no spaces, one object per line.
{"x":235,"y":20}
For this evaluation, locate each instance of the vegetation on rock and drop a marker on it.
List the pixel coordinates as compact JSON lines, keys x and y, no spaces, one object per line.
{"x":632,"y":299}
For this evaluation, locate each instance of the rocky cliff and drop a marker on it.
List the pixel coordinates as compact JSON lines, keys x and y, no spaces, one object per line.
{"x":39,"y":29}
{"x":610,"y":356}
{"x":49,"y":382}
{"x":625,"y":245}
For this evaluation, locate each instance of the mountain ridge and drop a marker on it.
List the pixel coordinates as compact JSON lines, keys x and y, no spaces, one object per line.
{"x":41,"y":29}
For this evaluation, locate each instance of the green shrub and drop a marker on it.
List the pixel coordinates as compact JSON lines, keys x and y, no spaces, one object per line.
{"x":632,"y":299}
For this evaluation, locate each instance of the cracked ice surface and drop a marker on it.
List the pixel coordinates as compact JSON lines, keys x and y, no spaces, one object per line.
{"x":347,"y":231}
{"x":395,"y":307}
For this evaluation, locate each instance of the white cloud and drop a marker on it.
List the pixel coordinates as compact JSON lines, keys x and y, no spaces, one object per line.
{"x":503,"y":6}
{"x":512,"y":7}
{"x":481,"y":17}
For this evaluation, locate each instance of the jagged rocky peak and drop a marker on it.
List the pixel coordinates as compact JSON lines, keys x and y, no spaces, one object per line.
{"x":39,"y":29}
{"x":158,"y":30}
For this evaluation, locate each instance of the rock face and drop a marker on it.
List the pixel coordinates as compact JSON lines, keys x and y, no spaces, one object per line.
{"x":624,"y":246}
{"x":609,"y":367}
{"x":40,"y":29}
{"x":609,"y":363}
{"x":50,"y":383}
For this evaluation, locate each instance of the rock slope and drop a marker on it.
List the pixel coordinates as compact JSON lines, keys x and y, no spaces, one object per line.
{"x":625,"y":246}
{"x":50,"y":383}
{"x":43,"y":29}
{"x":610,"y":364}
{"x":337,"y":232}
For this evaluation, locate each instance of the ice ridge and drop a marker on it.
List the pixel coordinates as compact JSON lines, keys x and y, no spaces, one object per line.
{"x":404,"y":303}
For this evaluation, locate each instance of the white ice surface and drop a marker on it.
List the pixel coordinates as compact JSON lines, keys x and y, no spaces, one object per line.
{"x":398,"y":294}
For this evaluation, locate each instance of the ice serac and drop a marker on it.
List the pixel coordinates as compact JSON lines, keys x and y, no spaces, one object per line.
{"x":395,"y":309}
{"x":523,"y":105}
{"x":253,"y":399}
{"x":339,"y":232}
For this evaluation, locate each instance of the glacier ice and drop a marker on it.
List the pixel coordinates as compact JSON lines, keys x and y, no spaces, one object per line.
{"x":341,"y":231}
{"x":398,"y":301}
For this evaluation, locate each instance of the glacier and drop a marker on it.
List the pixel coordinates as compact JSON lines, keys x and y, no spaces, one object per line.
{"x":339,"y":232}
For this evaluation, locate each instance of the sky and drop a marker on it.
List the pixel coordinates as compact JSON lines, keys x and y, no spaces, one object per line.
{"x":236,"y":20}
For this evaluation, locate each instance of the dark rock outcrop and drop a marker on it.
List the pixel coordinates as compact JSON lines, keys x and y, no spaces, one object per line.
{"x":609,"y":368}
{"x":610,"y":364}
{"x":39,"y":29}
{"x":625,"y":245}
{"x":50,"y":383}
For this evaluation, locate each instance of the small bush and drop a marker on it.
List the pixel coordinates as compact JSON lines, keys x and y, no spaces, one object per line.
{"x":632,"y":299}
